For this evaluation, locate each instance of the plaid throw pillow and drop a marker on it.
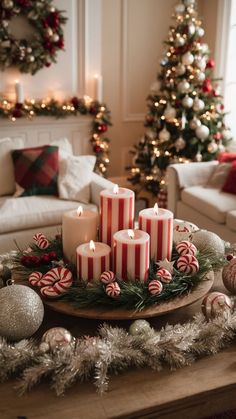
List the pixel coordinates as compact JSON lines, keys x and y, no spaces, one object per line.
{"x":36,"y":170}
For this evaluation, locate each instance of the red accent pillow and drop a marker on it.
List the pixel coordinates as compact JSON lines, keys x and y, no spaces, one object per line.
{"x":226,"y":157}
{"x":36,"y":170}
{"x":230,"y":183}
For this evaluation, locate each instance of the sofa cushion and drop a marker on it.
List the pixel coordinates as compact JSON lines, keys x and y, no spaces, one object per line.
{"x":209,"y":201}
{"x":230,"y":182}
{"x":36,"y":170}
{"x":231,"y":220}
{"x":34,"y":211}
{"x":226,"y":157}
{"x":7,"y":180}
{"x":219,"y":175}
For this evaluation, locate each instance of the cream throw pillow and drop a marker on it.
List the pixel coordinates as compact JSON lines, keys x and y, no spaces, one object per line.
{"x":7,"y":179}
{"x":75,"y":173}
{"x":219,"y":175}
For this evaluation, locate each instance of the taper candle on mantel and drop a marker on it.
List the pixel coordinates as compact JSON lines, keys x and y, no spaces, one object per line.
{"x":92,"y":259}
{"x":131,"y":254}
{"x":117,"y":212}
{"x":158,"y":223}
{"x":78,"y":226}
{"x":19,"y":92}
{"x":98,"y":82}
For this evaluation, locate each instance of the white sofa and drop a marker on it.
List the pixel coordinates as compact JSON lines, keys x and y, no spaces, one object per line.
{"x":191,"y":200}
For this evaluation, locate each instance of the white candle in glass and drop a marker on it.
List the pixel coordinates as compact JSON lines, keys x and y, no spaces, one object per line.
{"x":19,"y":92}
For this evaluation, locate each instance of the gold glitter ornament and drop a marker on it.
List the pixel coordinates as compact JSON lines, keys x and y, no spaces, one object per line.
{"x":139,"y":327}
{"x":21,"y":312}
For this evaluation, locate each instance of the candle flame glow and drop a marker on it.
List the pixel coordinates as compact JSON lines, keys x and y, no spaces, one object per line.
{"x":131,"y":233}
{"x":92,"y":245}
{"x":80,"y":211}
{"x":155,"y":208}
{"x":116,"y":189}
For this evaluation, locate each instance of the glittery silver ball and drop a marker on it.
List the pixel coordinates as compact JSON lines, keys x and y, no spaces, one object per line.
{"x":139,"y":327}
{"x":57,"y":337}
{"x":21,"y":312}
{"x":207,"y":241}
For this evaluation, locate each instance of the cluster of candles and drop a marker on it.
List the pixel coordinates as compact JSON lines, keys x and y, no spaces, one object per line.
{"x":125,"y":250}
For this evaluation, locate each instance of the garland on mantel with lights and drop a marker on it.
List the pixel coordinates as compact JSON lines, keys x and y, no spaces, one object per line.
{"x":71,"y":107}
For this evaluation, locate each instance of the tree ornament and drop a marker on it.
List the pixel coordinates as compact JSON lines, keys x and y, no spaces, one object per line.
{"x":221,"y":147}
{"x":229,"y":276}
{"x":206,"y":241}
{"x":164,"y":135}
{"x":155,"y":287}
{"x":204,"y":49}
{"x":182,"y":230}
{"x":57,"y":337}
{"x":180,"y":9}
{"x":164,"y":275}
{"x":188,"y":264}
{"x":189,"y":2}
{"x":169,"y":112}
{"x":179,"y":41}
{"x":200,"y":62}
{"x":185,"y":247}
{"x":180,"y":69}
{"x":180,"y":144}
{"x":139,"y":327}
{"x":216,"y":304}
{"x":34,"y":278}
{"x":202,"y":132}
{"x":198,"y":104}
{"x":113,"y":290}
{"x":21,"y":312}
{"x":183,"y":86}
{"x":207,"y":86}
{"x":187,"y":58}
{"x":199,"y":32}
{"x":226,"y":134}
{"x":107,"y":277}
{"x":200,"y":76}
{"x":56,"y":282}
{"x":194,"y":123}
{"x":212,"y":147}
{"x":191,"y":30}
{"x":198,"y":157}
{"x":210,"y":63}
{"x":187,"y":102}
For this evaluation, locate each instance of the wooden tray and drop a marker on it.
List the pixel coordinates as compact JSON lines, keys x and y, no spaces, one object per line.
{"x":124,"y":314}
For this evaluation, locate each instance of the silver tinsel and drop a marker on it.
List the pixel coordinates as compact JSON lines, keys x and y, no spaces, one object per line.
{"x":114,"y":350}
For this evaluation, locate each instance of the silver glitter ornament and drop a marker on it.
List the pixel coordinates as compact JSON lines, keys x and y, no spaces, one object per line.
{"x":206,"y":241}
{"x":139,"y":327}
{"x":57,"y":337}
{"x":202,"y":132}
{"x":21,"y":312}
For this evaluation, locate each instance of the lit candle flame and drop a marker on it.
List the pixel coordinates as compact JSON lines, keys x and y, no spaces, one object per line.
{"x":92,"y":245}
{"x":116,"y":189}
{"x":131,"y":233}
{"x":155,"y":209}
{"x":80,"y":211}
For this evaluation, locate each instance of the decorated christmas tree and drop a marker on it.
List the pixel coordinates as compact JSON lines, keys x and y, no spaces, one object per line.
{"x":185,"y":118}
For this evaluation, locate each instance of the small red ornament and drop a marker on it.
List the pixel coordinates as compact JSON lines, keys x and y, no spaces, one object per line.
{"x":229,"y":257}
{"x":210,"y":64}
{"x":97,"y":149}
{"x":17,"y":113}
{"x":217,"y":136}
{"x":75,"y":102}
{"x":207,"y":86}
{"x":102,"y":128}
{"x":222,"y":106}
{"x":92,"y":110}
{"x":61,"y":43}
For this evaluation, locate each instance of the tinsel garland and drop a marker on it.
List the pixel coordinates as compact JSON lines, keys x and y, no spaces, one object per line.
{"x":114,"y":350}
{"x":71,"y":107}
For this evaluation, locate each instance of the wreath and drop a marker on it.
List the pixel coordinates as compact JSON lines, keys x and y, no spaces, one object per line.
{"x":30,"y":55}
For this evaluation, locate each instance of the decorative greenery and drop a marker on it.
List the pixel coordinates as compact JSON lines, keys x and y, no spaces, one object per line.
{"x":30,"y":55}
{"x":71,"y":107}
{"x":134,"y":294}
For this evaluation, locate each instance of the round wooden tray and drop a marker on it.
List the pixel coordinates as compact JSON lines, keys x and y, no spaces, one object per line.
{"x":123,"y":314}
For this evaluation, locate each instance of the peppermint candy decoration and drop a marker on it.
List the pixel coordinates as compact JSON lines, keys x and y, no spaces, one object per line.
{"x":155,"y":287}
{"x":188,"y":264}
{"x":41,"y":241}
{"x":216,"y":304}
{"x":107,"y":277}
{"x":113,"y":289}
{"x":186,"y":248}
{"x":56,"y":282}
{"x":35,"y":278}
{"x":164,"y":275}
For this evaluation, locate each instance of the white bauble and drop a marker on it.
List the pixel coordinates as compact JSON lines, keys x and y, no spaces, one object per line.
{"x":200,"y":62}
{"x":179,"y":8}
{"x":200,"y":32}
{"x":212,"y":147}
{"x":221,"y":147}
{"x":180,"y":69}
{"x":206,"y":241}
{"x":164,"y":135}
{"x":202,"y":132}
{"x":7,"y":4}
{"x":140,"y":327}
{"x":55,"y":37}
{"x":191,"y":29}
{"x":189,"y":2}
{"x":169,"y":112}
{"x":187,"y":102}
{"x":194,"y":123}
{"x":155,"y":86}
{"x":30,"y":59}
{"x":183,"y":86}
{"x":204,"y":48}
{"x":198,"y":104}
{"x":187,"y":58}
{"x":226,"y":134}
{"x":200,"y":76}
{"x":180,"y":143}
{"x":198,"y":157}
{"x":182,"y":230}
{"x":180,"y":41}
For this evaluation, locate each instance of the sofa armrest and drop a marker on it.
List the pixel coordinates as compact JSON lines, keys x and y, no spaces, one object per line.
{"x":180,"y":176}
{"x":98,"y":183}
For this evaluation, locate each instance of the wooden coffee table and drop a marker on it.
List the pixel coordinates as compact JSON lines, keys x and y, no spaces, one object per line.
{"x":202,"y":389}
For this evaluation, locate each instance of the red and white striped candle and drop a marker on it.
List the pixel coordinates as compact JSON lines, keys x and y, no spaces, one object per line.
{"x":92,"y":260}
{"x":158,"y":223}
{"x":117,"y":212}
{"x":131,"y":254}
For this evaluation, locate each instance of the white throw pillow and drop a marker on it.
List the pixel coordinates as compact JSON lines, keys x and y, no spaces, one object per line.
{"x":7,"y":179}
{"x":64,"y":145}
{"x":74,"y":178}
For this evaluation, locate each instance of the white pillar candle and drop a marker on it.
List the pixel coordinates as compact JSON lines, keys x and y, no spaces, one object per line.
{"x":158,"y":223}
{"x":19,"y":92}
{"x":131,"y":254}
{"x":92,"y":260}
{"x":98,"y":82}
{"x":78,"y":226}
{"x":117,"y":212}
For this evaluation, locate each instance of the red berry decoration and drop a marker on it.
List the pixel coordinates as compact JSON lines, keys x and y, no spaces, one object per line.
{"x":229,"y":257}
{"x":107,"y":277}
{"x":45,"y":259}
{"x":155,"y":287}
{"x":113,"y":290}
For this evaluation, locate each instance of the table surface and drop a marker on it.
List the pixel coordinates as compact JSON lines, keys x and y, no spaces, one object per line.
{"x":202,"y":389}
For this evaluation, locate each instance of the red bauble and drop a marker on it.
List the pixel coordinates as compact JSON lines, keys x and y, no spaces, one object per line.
{"x":17,"y":113}
{"x":217,"y":136}
{"x":61,"y":43}
{"x":48,"y":64}
{"x":102,"y":128}
{"x":97,"y":149}
{"x":210,"y":64}
{"x":18,"y":105}
{"x":53,"y":20}
{"x":229,"y":257}
{"x":92,"y":110}
{"x":222,"y":107}
{"x":207,"y":86}
{"x":75,"y":102}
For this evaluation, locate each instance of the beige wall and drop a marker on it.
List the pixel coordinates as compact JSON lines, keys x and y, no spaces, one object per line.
{"x":133,"y":32}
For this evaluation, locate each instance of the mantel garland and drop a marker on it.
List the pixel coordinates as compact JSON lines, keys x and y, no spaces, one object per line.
{"x":71,"y":107}
{"x":30,"y":55}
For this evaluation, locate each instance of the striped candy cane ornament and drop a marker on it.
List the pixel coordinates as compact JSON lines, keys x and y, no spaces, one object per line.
{"x":131,"y":254}
{"x":116,"y":212}
{"x":158,"y":223}
{"x":92,"y":260}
